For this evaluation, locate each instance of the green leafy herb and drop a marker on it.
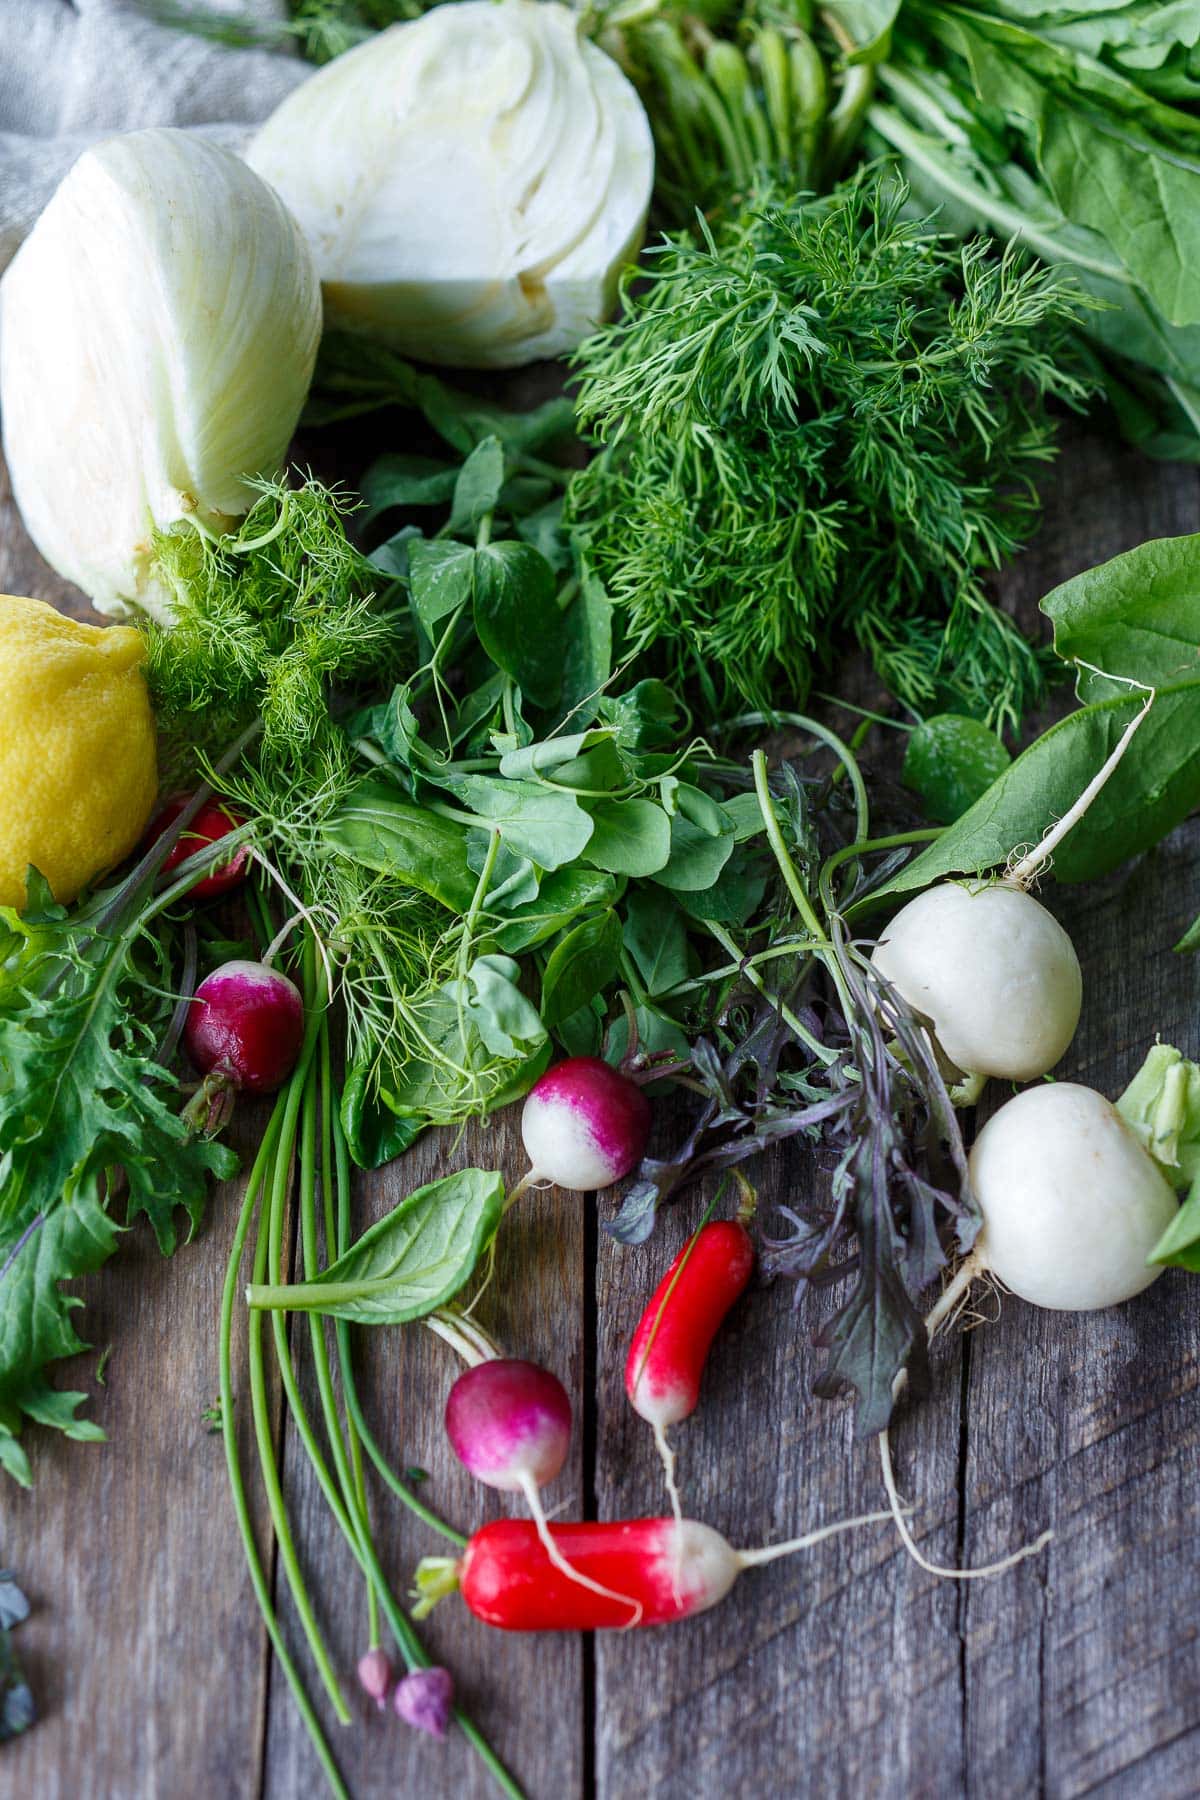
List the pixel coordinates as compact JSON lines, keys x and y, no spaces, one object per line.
{"x":950,"y":761}
{"x":412,"y":1261}
{"x":820,"y":423}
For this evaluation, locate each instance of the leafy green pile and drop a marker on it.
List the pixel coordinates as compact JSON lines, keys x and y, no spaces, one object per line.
{"x":1074,"y":129}
{"x":91,"y":1134}
{"x":822,"y":421}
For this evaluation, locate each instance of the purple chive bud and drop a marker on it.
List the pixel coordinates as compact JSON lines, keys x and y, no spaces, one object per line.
{"x":424,"y":1698}
{"x":375,"y":1673}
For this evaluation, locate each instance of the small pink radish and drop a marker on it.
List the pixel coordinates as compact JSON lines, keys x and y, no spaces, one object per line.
{"x":667,"y":1356}
{"x":669,"y":1569}
{"x":585,"y":1125}
{"x":509,"y":1423}
{"x":245,"y":1025}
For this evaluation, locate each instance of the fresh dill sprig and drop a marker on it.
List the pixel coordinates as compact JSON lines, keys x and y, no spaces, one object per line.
{"x":820,"y":422}
{"x":265,"y":621}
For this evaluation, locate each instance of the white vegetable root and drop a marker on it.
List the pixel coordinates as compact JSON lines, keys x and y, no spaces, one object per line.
{"x":1072,"y":1207}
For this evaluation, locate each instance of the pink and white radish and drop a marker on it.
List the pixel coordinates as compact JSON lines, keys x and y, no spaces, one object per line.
{"x":671,"y":1344}
{"x":510,"y":1577}
{"x":1072,"y":1207}
{"x":509,"y":1423}
{"x":245,"y":1026}
{"x":584,"y":1126}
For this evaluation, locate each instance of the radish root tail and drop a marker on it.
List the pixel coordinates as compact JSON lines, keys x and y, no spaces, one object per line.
{"x":667,"y":1458}
{"x":533,"y":1500}
{"x":752,"y":1559}
{"x":909,"y":1542}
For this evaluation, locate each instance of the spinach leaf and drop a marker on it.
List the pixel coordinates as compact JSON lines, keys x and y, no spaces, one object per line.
{"x":412,"y":1261}
{"x":374,"y":1133}
{"x":548,"y":827}
{"x":516,"y":618}
{"x":441,"y":579}
{"x":697,"y":855}
{"x":406,"y":481}
{"x":1133,"y":617}
{"x":477,"y":488}
{"x":950,"y":761}
{"x":656,"y":939}
{"x":562,"y":896}
{"x":379,"y":830}
{"x":581,"y":966}
{"x":631,"y":837}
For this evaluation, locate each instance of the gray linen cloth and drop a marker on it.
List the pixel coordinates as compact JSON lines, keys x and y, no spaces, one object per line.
{"x":73,"y":71}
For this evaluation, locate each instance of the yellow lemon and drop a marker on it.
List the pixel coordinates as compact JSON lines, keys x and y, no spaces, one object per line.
{"x":77,"y":763}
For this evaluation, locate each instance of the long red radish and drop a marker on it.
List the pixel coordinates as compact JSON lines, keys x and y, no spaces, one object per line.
{"x":509,"y":1423}
{"x":670,"y":1568}
{"x":671,"y":1344}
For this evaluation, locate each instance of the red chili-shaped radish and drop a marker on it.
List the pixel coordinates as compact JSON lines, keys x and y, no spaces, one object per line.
{"x":210,"y":825}
{"x":245,"y":1024}
{"x":667,"y":1356}
{"x":668,"y":1568}
{"x":584,"y":1125}
{"x":671,"y":1344}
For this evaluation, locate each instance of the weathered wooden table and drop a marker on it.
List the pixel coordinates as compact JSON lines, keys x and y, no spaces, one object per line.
{"x":847,"y":1672}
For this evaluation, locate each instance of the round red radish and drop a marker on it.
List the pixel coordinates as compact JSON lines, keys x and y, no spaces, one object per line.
{"x":210,"y":825}
{"x":585,"y":1124}
{"x":666,"y":1358}
{"x":509,"y":1423}
{"x":669,"y":1570}
{"x":246,"y":1023}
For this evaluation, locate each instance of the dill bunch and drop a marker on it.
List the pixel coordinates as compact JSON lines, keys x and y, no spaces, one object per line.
{"x":267,"y":621}
{"x":819,"y":422}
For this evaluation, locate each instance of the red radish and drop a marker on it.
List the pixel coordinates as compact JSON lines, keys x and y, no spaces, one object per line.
{"x":585,"y":1125}
{"x":670,"y":1569}
{"x":509,"y":1423}
{"x":210,"y":825}
{"x":666,"y":1358}
{"x":245,"y":1025}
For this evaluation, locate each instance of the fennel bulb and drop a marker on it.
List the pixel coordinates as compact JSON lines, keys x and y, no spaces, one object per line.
{"x":471,"y":182}
{"x":158,"y":330}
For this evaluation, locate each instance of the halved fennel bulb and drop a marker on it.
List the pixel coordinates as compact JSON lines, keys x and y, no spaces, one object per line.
{"x":471,"y":182}
{"x":158,"y":330}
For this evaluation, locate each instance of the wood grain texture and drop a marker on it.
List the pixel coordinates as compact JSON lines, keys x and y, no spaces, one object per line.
{"x":844,"y":1672}
{"x":526,"y":1694}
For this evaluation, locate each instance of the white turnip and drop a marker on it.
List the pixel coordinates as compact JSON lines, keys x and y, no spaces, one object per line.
{"x":993,"y":972}
{"x":1072,"y":1206}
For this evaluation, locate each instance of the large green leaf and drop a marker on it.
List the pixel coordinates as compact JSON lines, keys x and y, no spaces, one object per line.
{"x":409,"y":1263}
{"x":378,"y":829}
{"x":1137,"y":618}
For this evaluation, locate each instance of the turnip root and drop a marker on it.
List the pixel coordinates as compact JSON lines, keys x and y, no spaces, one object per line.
{"x":993,"y":972}
{"x":1072,"y":1206}
{"x":996,"y":976}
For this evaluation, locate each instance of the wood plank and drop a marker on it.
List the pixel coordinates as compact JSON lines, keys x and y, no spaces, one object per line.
{"x":1086,"y":1675}
{"x":526,"y":1694}
{"x":834,"y":1673}
{"x":144,"y":1650}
